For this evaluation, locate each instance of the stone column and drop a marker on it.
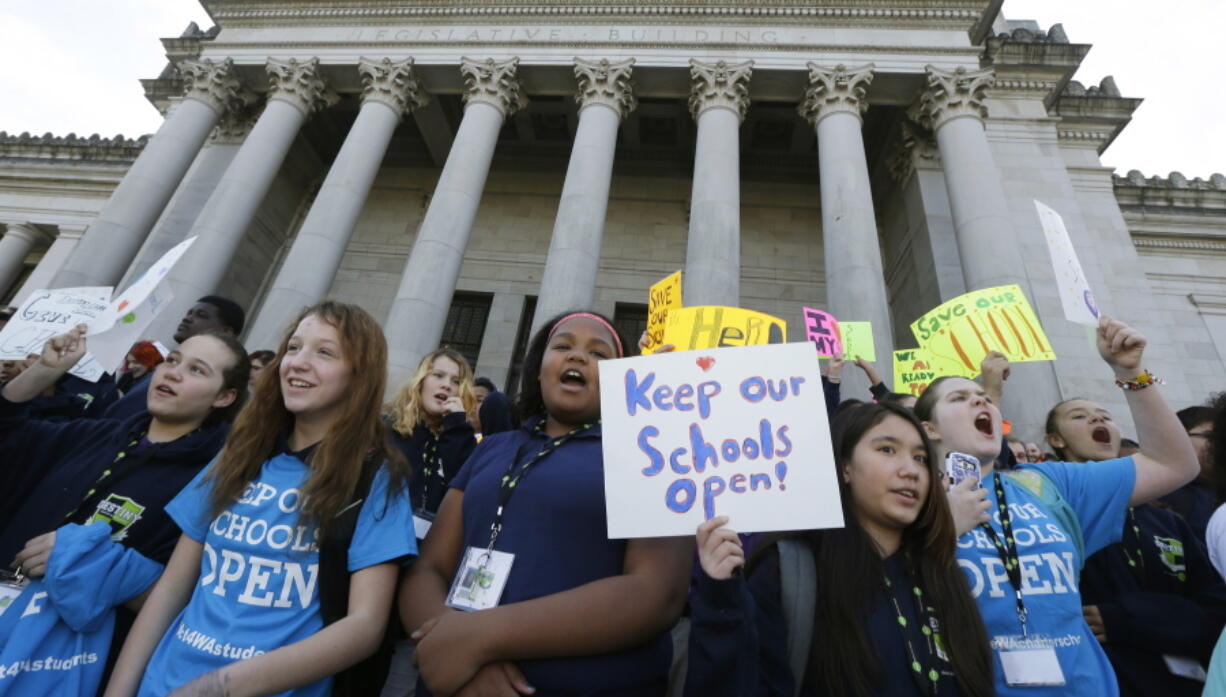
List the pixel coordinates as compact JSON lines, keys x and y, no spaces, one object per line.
{"x":855,"y":284}
{"x":952,"y":107}
{"x":123,"y":223}
{"x":719,"y":97}
{"x":193,"y":192}
{"x":415,"y":324}
{"x":296,"y":91}
{"x":18,"y":240}
{"x":606,"y":95}
{"x":390,"y":91}
{"x":53,"y":260}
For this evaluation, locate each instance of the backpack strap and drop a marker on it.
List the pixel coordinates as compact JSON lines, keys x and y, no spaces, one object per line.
{"x":1048,"y":494}
{"x":334,"y":549}
{"x":798,"y":590}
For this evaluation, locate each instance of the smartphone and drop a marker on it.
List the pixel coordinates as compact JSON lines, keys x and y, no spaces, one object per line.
{"x":959,"y":466}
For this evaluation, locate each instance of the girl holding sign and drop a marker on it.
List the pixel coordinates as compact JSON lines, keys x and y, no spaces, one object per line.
{"x":1023,"y":565}
{"x":250,"y":604}
{"x":890,"y":613}
{"x":518,"y":586}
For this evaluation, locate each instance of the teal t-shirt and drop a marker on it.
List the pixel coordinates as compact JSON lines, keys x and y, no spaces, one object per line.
{"x":258,"y":587}
{"x":1098,"y":493}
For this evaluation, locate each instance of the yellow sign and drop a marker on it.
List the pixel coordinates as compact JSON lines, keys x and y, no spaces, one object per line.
{"x":712,"y":326}
{"x":915,"y":369}
{"x":858,"y":341}
{"x":963,"y":330}
{"x":662,"y":297}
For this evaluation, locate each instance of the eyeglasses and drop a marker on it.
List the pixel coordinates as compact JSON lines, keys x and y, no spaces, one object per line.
{"x":1200,"y":434}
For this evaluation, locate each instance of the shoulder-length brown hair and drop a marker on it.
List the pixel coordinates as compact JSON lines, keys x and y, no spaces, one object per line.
{"x":406,"y":409}
{"x":357,"y":433}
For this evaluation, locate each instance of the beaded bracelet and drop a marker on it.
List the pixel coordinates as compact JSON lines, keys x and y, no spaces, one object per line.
{"x":1141,"y":381}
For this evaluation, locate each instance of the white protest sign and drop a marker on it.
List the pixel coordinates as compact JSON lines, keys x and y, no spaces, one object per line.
{"x":1075,"y":295}
{"x":737,"y":431}
{"x":125,"y":307}
{"x":47,"y":313}
{"x":112,"y":345}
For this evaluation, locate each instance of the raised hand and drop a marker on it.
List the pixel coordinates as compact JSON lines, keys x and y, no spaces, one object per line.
{"x":62,"y":351}
{"x":1121,"y":346}
{"x":719,"y":549}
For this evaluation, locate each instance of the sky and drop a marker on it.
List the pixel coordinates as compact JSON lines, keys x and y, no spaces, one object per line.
{"x":73,"y":66}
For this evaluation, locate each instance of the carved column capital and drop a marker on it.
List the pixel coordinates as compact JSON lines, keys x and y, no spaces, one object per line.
{"x":234,"y":127}
{"x":835,"y":90}
{"x":492,"y":82}
{"x":299,"y":84}
{"x":610,"y":84}
{"x":953,"y":94}
{"x":914,"y":147}
{"x":393,"y":84}
{"x":719,"y":85}
{"x":213,"y":83}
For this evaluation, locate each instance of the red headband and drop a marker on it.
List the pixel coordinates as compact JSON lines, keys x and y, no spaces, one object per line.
{"x":616,"y":339}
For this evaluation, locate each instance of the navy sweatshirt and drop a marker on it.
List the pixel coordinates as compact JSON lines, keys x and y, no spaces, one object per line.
{"x":456,"y":442}
{"x":1149,"y":610}
{"x":48,"y":468}
{"x":738,"y":645}
{"x":133,"y":403}
{"x":1196,"y":502}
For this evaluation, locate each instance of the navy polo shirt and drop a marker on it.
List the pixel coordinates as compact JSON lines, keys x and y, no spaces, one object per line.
{"x":555,"y":526}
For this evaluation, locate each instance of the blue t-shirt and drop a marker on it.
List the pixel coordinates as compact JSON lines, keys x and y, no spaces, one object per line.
{"x":258,"y":586}
{"x":1098,"y":493}
{"x":555,"y":525}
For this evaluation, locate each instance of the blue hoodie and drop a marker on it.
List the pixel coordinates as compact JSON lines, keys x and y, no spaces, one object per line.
{"x":55,"y":638}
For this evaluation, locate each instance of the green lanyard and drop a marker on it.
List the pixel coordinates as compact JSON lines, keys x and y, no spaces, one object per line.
{"x":1137,"y":563}
{"x":926,"y":677}
{"x":107,"y":477}
{"x":514,"y":474}
{"x":431,"y":466}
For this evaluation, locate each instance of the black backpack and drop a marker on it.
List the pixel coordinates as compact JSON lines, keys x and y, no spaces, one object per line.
{"x":367,"y":677}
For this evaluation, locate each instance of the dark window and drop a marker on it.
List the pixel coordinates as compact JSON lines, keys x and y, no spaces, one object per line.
{"x":522,"y":337}
{"x":631,"y":320}
{"x":466,"y":324}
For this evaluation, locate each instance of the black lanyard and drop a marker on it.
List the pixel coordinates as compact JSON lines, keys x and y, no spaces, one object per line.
{"x":1008,"y":549}
{"x":514,"y":474}
{"x":108,"y":476}
{"x":927,"y":677}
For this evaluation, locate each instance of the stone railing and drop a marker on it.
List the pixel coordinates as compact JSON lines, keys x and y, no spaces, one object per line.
{"x":1176,"y":180}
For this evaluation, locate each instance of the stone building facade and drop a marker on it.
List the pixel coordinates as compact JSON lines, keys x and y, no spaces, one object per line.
{"x":465,"y":170}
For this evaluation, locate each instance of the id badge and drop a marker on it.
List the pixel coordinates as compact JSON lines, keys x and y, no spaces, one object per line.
{"x":480,"y":580}
{"x":421,"y":526}
{"x":1031,"y":667}
{"x":10,"y":590}
{"x":1185,"y":667}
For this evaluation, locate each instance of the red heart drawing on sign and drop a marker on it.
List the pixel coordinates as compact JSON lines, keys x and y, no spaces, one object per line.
{"x":705,"y":363}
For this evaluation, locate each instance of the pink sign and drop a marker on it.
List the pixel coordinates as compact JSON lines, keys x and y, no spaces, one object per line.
{"x":823,"y":330}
